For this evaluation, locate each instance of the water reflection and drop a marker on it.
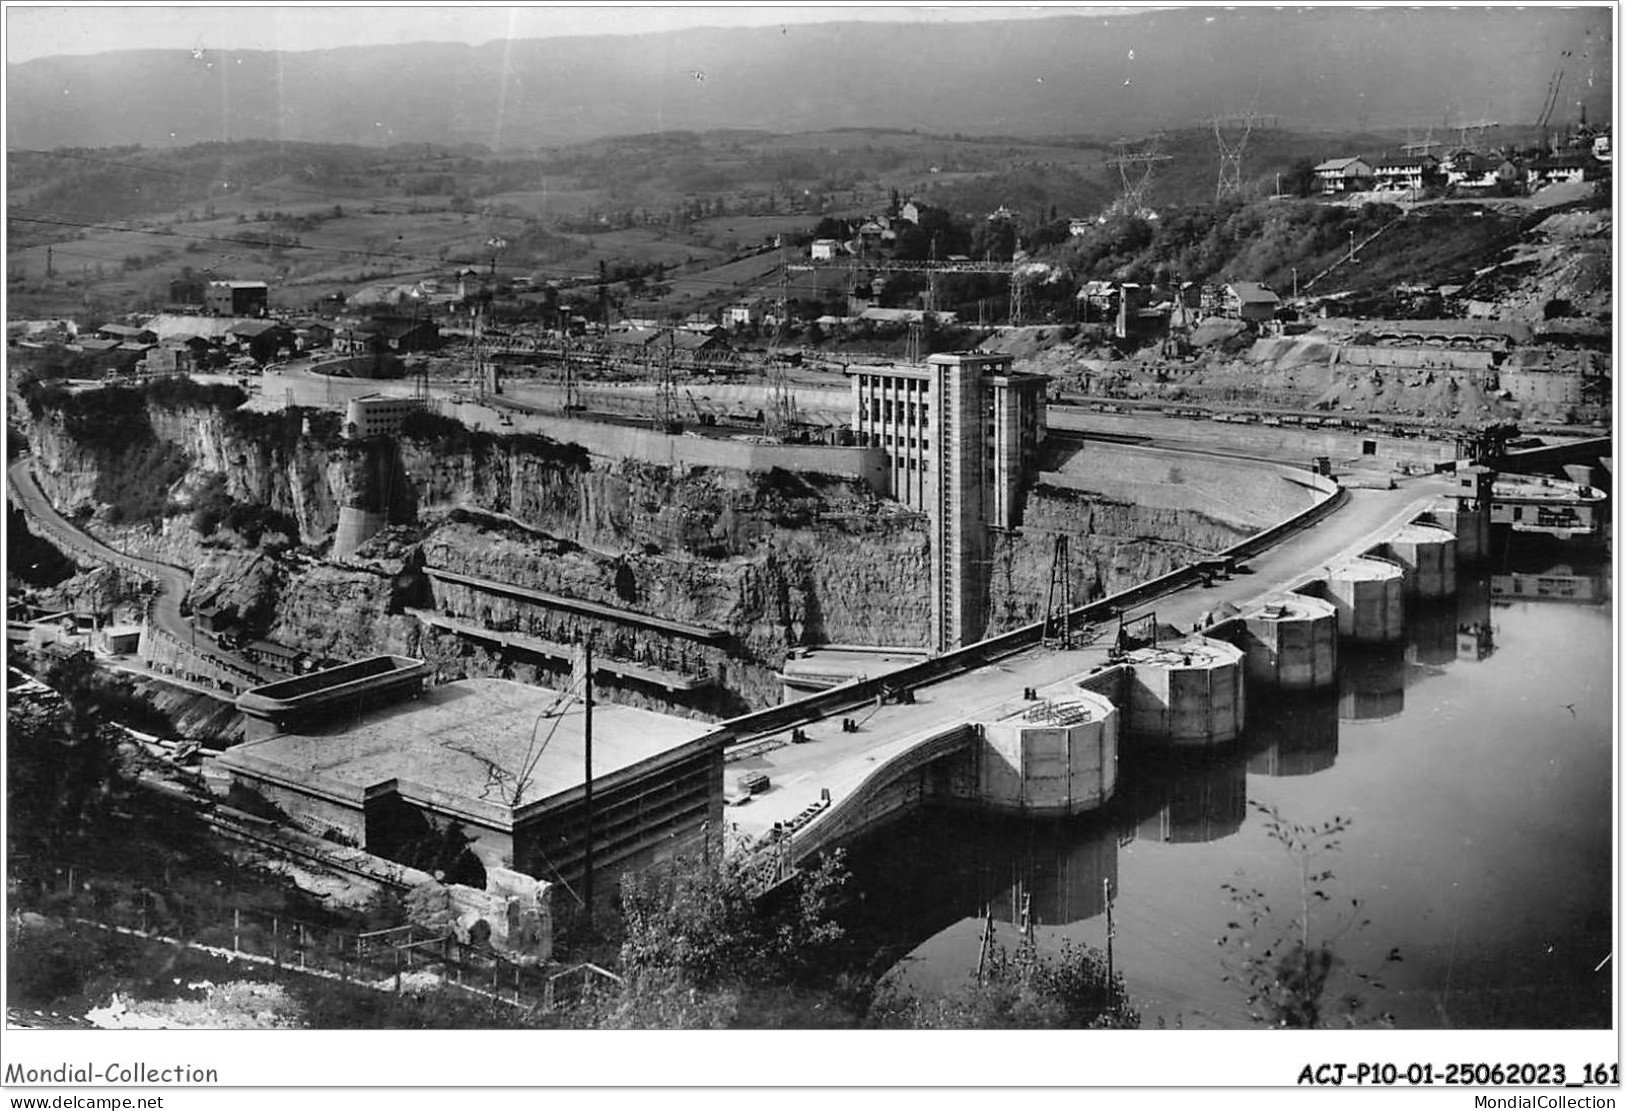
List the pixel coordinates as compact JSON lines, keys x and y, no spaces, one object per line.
{"x":1556,"y":583}
{"x":1471,"y":892}
{"x":1370,"y":682}
{"x":932,"y":868}
{"x":1062,"y":882}
{"x":1475,"y":632}
{"x":1185,"y":802}
{"x":1291,"y":735}
{"x":1430,"y":633}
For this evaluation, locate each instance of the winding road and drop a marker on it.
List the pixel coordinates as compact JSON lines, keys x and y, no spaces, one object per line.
{"x":174,"y":582}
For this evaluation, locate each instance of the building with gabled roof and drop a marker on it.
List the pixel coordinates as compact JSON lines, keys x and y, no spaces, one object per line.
{"x":127,"y":333}
{"x":1409,"y":172}
{"x":1251,"y":301}
{"x":1343,"y":175}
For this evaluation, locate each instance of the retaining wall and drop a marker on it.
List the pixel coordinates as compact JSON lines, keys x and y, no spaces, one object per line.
{"x":615,"y":441}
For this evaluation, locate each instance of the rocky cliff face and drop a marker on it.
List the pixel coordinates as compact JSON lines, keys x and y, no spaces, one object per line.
{"x":828,"y":582}
{"x":768,"y":561}
{"x":1112,"y":545}
{"x":163,"y":454}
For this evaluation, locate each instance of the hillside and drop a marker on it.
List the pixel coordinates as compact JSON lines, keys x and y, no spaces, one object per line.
{"x":1071,"y":75}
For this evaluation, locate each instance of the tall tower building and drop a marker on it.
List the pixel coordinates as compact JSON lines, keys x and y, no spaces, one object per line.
{"x":962,"y":436}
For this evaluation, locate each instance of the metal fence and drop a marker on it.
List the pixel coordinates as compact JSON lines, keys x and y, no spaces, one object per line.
{"x":386,"y":959}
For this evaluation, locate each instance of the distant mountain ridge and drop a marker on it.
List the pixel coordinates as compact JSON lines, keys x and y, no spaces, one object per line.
{"x":1103,"y":75}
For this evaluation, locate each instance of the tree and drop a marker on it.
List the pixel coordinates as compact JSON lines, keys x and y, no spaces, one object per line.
{"x":702,"y":917}
{"x":703,"y":929}
{"x":61,"y":757}
{"x":1299,"y":179}
{"x":1021,"y":989}
{"x":1287,"y":967}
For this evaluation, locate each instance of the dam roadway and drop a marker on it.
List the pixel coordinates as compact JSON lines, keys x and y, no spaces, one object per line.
{"x":842,"y":762}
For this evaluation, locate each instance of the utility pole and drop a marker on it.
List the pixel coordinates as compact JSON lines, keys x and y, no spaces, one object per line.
{"x":586,"y":790}
{"x":50,"y":272}
{"x":931,"y":279}
{"x":987,"y":946}
{"x":1111,"y":930}
{"x":603,"y":297}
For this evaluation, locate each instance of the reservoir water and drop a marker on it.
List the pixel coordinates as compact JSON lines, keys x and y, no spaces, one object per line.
{"x":1475,"y":767}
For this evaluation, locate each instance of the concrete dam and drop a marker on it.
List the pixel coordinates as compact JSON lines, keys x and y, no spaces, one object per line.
{"x":1039,"y":731}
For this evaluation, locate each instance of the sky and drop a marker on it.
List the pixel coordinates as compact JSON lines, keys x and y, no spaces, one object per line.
{"x":36,"y":31}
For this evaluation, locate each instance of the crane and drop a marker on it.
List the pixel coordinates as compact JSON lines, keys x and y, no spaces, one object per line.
{"x":1553,"y":88}
{"x":701,"y":416}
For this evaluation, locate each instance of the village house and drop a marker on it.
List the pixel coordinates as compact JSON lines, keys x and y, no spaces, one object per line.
{"x":312,"y":334}
{"x":742,"y":314}
{"x":264,"y":340}
{"x":1562,"y":168}
{"x":824,"y":250}
{"x":127,"y":333}
{"x":1411,"y":172}
{"x":1343,"y":175}
{"x":1469,"y":170}
{"x":1250,"y":301}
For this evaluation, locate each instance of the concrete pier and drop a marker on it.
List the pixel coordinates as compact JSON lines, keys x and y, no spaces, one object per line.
{"x":1428,"y":555}
{"x":1468,"y":522}
{"x":1058,"y":757}
{"x":1188,"y":695}
{"x":1290,"y":642}
{"x":1369,"y":595}
{"x":891,"y":752}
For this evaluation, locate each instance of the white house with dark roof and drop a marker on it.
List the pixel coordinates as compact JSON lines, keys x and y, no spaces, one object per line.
{"x":1408,"y":172}
{"x":1343,"y":175}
